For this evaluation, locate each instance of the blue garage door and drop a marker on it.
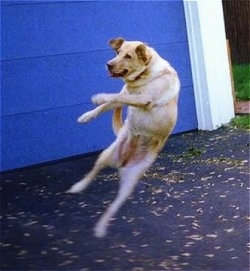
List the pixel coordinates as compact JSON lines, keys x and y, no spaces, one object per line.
{"x":53,"y":61}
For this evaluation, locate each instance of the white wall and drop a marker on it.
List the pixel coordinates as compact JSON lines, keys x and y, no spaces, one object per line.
{"x":209,"y":61}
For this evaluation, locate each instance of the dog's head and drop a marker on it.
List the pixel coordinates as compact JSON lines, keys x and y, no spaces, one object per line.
{"x":131,"y":60}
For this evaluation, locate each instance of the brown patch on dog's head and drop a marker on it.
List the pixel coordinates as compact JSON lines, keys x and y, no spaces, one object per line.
{"x":141,"y":51}
{"x":116,"y":43}
{"x":131,"y":60}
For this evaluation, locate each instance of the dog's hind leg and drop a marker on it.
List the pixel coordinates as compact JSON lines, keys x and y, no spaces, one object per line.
{"x":109,"y":157}
{"x":129,"y":176}
{"x":126,"y":188}
{"x":103,"y":160}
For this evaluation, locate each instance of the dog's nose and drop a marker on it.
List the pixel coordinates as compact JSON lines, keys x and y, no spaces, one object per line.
{"x":110,"y":66}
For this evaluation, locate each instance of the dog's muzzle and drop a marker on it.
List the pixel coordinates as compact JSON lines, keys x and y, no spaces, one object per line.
{"x":116,"y":74}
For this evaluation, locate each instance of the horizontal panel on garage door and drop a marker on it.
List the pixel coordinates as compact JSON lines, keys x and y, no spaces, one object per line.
{"x":44,"y":28}
{"x":36,"y":84}
{"x":49,"y":135}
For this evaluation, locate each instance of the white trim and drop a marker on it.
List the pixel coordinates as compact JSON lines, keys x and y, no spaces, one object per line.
{"x":209,"y":63}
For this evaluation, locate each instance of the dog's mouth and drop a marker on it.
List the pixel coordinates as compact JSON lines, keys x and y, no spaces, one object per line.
{"x":118,"y":74}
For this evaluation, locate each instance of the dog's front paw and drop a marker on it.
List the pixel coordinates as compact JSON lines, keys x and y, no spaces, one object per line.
{"x":100,"y":98}
{"x":85,"y":117}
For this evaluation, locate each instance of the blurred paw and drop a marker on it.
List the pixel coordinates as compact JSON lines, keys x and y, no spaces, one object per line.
{"x":100,"y":98}
{"x":100,"y":231}
{"x":85,"y":117}
{"x":76,"y":188}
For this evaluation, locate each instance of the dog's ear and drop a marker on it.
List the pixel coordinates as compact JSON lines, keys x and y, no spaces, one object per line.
{"x":116,"y":43}
{"x":142,"y":54}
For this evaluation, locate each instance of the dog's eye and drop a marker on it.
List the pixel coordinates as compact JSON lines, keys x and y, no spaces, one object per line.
{"x":127,"y":56}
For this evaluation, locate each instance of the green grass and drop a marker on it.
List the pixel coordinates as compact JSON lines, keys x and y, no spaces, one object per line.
{"x":242,"y":122}
{"x":241,"y":74}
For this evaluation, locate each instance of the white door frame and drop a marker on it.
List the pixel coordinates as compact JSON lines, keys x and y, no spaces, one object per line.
{"x":209,"y":63}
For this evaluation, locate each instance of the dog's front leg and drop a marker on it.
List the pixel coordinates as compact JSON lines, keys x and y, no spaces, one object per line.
{"x":136,"y":100}
{"x":97,"y":111}
{"x":91,"y":114}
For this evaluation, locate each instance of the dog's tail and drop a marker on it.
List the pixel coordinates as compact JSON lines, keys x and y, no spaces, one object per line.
{"x":117,"y":121}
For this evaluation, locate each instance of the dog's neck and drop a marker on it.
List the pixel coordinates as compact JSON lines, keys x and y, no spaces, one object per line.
{"x":138,"y":77}
{"x":143,"y":79}
{"x":149,"y":73}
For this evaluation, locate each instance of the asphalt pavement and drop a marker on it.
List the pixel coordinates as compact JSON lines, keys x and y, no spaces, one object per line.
{"x":189,"y":212}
